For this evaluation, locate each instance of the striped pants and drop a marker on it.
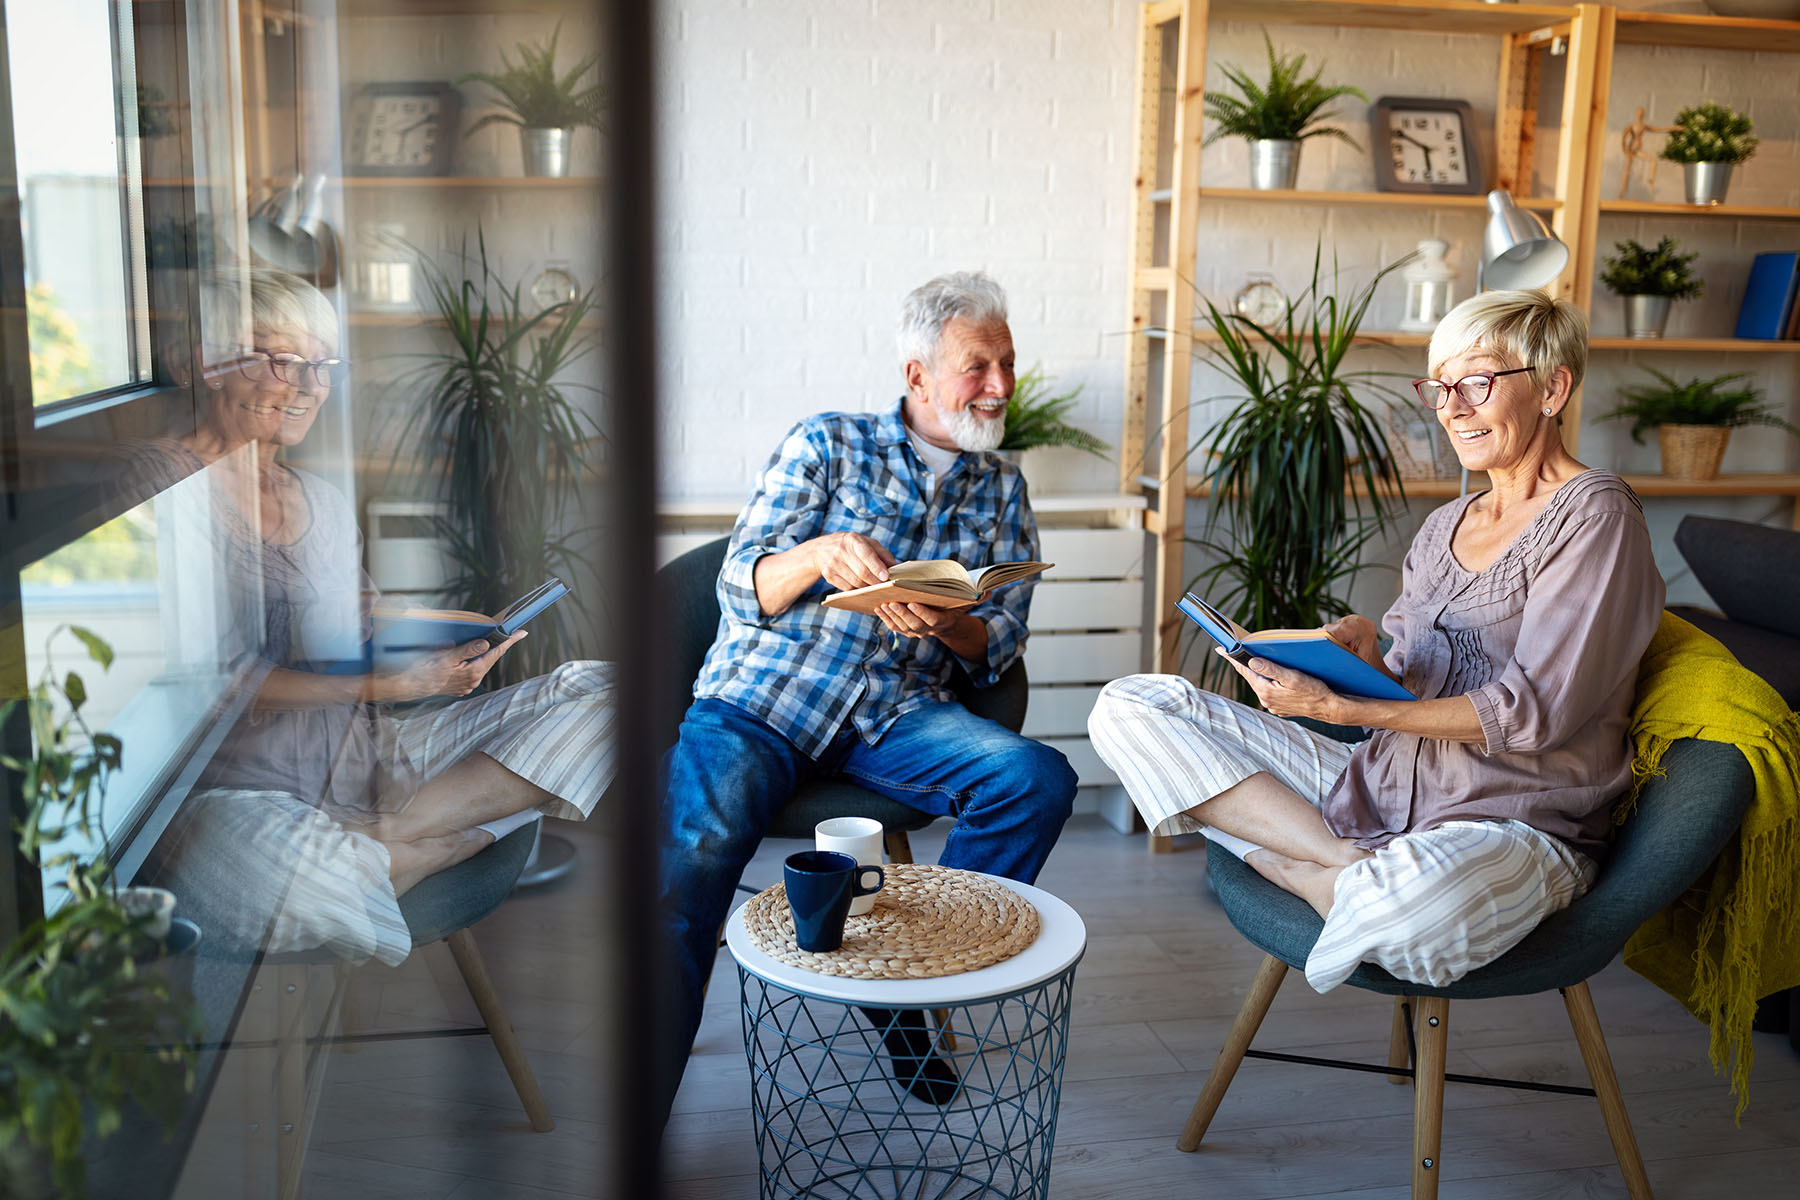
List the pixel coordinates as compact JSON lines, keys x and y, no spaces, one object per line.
{"x":1427,"y":907}
{"x":257,"y":861}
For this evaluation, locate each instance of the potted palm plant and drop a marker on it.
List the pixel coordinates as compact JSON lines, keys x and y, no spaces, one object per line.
{"x":1649,"y":280}
{"x":1301,"y":474}
{"x":87,"y":1027}
{"x":1708,"y":141}
{"x":515,"y":447}
{"x":1277,"y":116}
{"x":547,"y":107}
{"x":1693,"y":419}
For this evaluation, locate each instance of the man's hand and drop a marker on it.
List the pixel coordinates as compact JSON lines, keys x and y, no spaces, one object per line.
{"x":452,"y":672}
{"x":1288,"y":693}
{"x":918,"y":620}
{"x":850,"y":560}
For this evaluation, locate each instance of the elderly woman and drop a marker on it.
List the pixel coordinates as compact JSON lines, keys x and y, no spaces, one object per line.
{"x":1476,"y":810}
{"x":323,"y":794}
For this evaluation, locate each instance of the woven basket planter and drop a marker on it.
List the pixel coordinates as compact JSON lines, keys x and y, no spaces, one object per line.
{"x":1692,"y":451}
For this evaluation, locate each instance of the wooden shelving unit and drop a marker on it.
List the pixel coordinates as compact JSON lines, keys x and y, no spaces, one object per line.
{"x":496,"y":183}
{"x":1168,"y":193}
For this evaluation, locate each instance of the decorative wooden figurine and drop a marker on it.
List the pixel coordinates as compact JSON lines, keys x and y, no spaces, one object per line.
{"x":1632,"y":141}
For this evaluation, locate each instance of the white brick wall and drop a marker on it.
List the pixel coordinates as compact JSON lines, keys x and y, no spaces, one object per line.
{"x":820,"y":158}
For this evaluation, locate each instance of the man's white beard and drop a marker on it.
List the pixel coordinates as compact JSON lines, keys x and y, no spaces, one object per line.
{"x":972,"y":433}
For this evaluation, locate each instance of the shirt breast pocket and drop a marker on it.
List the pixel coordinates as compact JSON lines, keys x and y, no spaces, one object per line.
{"x":974,"y":535}
{"x":860,"y":508}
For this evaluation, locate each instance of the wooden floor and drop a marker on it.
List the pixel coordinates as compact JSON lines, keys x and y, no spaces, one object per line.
{"x":1162,"y":979}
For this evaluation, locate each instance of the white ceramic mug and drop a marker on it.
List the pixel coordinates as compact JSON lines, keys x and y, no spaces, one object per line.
{"x":860,"y":838}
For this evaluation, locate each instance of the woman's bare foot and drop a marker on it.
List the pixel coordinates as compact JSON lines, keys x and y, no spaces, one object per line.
{"x":1312,"y":882}
{"x":409,"y":862}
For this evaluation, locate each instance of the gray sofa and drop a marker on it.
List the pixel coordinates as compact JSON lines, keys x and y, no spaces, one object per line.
{"x":1752,"y":573}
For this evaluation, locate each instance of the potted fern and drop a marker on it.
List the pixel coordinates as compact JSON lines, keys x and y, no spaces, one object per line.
{"x":1301,"y":474}
{"x":88,"y":1026}
{"x":546,"y":106}
{"x":1649,"y":280}
{"x":1708,"y":140}
{"x":1277,"y":116}
{"x":1693,"y":419}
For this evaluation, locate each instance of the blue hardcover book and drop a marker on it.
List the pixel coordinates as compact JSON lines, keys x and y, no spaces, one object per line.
{"x":1308,"y":650}
{"x":1769,"y":296}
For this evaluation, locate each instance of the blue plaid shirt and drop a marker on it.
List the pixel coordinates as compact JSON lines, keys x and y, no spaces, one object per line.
{"x":810,"y":669}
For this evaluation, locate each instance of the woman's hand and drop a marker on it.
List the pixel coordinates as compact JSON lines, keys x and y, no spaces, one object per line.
{"x":452,"y":672}
{"x":1360,"y":636}
{"x":1289,"y":693}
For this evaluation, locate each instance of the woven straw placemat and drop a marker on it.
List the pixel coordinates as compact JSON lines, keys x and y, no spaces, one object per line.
{"x":927,"y":922}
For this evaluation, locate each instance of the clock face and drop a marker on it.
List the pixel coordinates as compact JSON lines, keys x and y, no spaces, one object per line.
{"x":554,"y":285}
{"x":398,"y":131}
{"x":1261,"y":301}
{"x":1427,"y":146}
{"x":403,"y":129}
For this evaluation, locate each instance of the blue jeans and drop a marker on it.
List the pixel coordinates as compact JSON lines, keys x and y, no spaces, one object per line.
{"x":730,"y":773}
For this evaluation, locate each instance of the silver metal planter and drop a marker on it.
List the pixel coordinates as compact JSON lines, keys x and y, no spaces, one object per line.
{"x":546,"y":152}
{"x":1645,"y":316}
{"x":1274,"y":165}
{"x":1706,"y":182}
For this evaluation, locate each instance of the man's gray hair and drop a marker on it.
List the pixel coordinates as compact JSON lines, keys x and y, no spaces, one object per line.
{"x":931,"y":306}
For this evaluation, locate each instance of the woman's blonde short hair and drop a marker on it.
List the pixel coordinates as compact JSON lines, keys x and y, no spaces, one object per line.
{"x":1528,"y":328}
{"x":267,"y":299}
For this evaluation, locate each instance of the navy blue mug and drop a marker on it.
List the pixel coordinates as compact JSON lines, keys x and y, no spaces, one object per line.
{"x":820,"y":886}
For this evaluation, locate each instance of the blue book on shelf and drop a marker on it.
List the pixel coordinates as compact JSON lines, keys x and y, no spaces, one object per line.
{"x":1308,"y":650}
{"x":1769,"y":296}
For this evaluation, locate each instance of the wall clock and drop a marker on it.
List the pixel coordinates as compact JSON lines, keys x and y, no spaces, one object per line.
{"x":402,"y":129}
{"x":1261,"y":301}
{"x":1424,"y":144}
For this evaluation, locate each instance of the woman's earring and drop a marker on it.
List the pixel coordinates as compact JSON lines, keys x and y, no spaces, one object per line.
{"x":215,"y":385}
{"x":1546,"y":412}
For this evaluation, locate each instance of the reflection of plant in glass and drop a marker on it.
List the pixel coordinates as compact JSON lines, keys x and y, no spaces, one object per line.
{"x":83,"y":1030}
{"x":1035,"y":419}
{"x":1294,"y":463}
{"x":535,"y":96}
{"x":516,"y":446}
{"x":60,"y":365}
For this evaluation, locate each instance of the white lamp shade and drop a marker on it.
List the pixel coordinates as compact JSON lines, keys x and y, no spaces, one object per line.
{"x":1517,"y":248}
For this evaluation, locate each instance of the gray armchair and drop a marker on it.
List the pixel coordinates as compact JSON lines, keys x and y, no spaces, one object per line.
{"x":1752,"y":573}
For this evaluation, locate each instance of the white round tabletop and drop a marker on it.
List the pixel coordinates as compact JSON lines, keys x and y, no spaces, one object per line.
{"x":1060,"y":942}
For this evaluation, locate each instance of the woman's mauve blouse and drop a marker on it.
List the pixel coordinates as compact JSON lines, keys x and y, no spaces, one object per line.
{"x":1545,"y":641}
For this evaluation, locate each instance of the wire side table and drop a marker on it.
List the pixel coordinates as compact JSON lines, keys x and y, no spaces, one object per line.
{"x":831,"y":1121}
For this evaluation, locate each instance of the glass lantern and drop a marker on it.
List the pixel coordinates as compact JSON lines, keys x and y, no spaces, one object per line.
{"x":1430,"y":287}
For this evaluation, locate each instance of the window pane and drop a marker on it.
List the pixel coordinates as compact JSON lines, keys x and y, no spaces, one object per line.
{"x":154,"y":586}
{"x":76,"y":221}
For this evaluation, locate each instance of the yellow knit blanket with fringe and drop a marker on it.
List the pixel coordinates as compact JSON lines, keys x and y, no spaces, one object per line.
{"x":1732,"y":937}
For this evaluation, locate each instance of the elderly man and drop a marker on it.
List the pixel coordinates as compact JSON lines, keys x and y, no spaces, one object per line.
{"x":792,"y":690}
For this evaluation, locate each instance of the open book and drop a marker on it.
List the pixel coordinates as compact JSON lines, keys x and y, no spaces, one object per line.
{"x":939,"y":582}
{"x":1310,"y":650}
{"x":401,"y":635}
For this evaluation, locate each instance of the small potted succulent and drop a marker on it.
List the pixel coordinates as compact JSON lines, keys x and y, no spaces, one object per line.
{"x":547,"y":107}
{"x":1693,"y":419}
{"x":1277,"y":116}
{"x":1649,"y":279}
{"x":1708,"y":140}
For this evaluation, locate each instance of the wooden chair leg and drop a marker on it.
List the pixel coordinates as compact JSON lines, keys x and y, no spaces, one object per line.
{"x":1432,"y":1033}
{"x":493,"y":1014}
{"x":1580,"y":1003}
{"x":1398,"y":1052}
{"x":1249,"y":1019}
